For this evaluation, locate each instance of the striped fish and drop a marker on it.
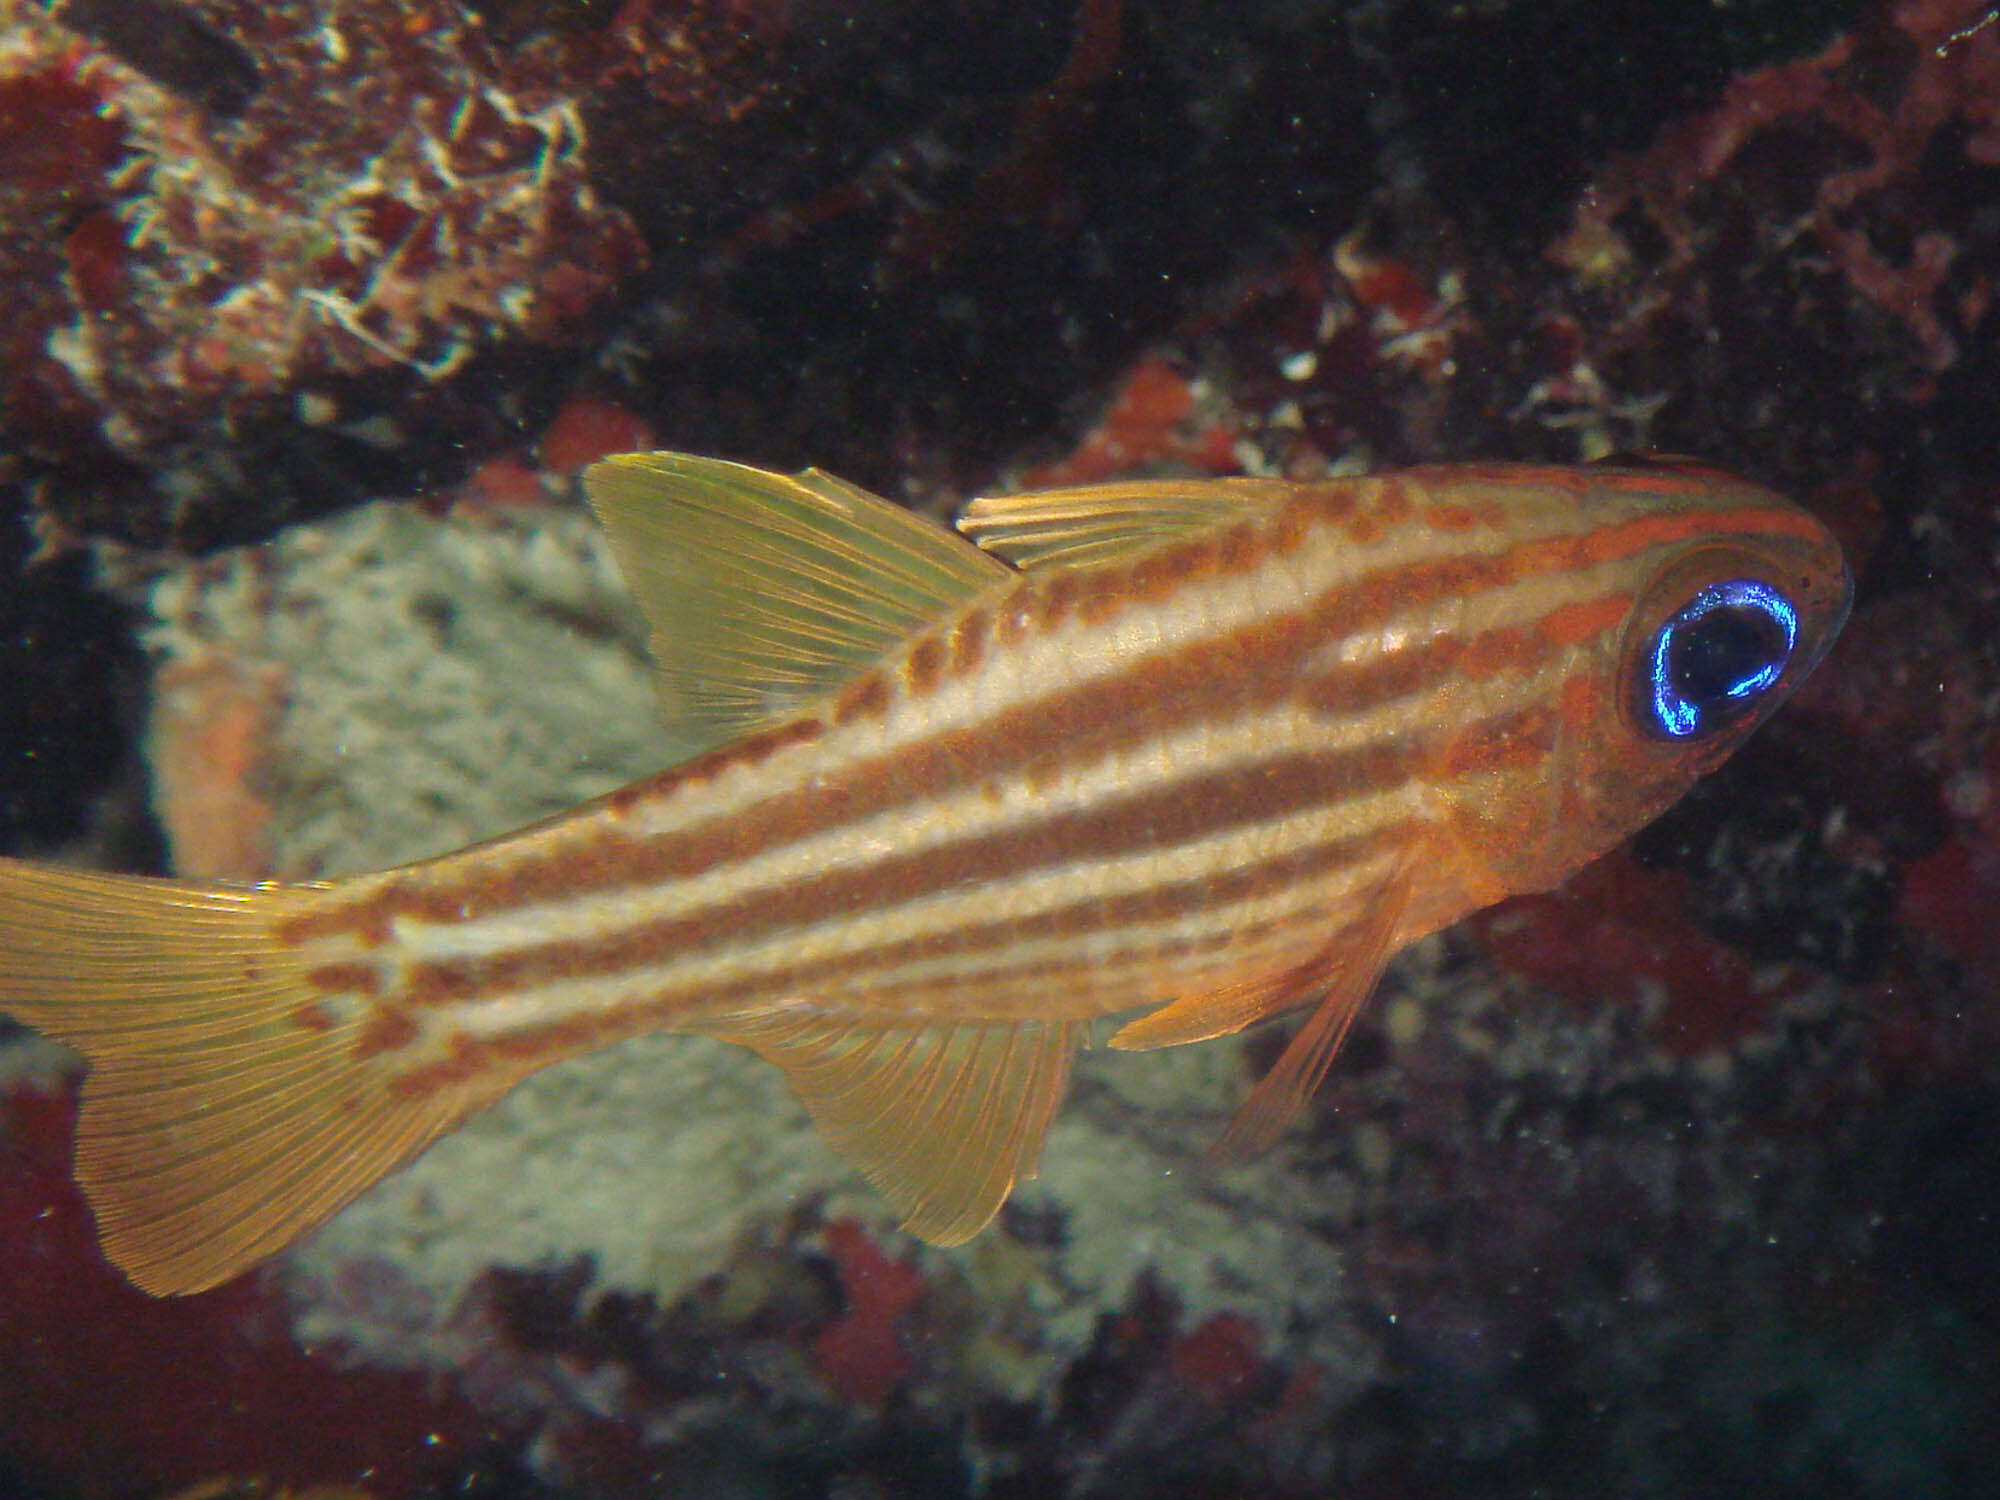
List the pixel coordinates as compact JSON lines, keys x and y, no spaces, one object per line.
{"x":1202,"y":752}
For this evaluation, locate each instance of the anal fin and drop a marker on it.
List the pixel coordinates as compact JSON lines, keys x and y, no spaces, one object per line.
{"x":942,"y":1120}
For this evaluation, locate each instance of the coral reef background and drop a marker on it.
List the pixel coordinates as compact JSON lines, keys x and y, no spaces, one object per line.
{"x":1679,"y":1180}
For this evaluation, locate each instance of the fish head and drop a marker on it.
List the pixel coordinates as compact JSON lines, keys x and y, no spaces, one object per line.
{"x":1707,"y":631}
{"x":1721,"y":631}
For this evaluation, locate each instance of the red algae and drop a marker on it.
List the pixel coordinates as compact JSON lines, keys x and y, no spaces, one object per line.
{"x":54,"y":139}
{"x":861,"y":1353}
{"x":58,"y":145}
{"x":586,"y":428}
{"x":1614,"y":928}
{"x":1151,"y":421}
{"x":1221,"y":1358}
{"x":381,"y":194}
{"x":1946,"y":97}
{"x":1950,"y":895}
{"x":209,"y":746}
{"x":1033,"y":180}
{"x":505,"y":481}
{"x":124,"y":1394}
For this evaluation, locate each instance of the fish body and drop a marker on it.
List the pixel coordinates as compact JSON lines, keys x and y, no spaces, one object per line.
{"x":1198,"y":751}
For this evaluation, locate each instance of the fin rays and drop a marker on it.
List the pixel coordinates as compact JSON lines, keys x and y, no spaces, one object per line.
{"x":942,"y":1119}
{"x":766,"y":591}
{"x":1347,"y":974}
{"x":1096,"y":523}
{"x":214,"y":1129}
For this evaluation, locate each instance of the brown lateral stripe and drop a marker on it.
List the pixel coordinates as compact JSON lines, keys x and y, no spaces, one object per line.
{"x":1140,"y":959}
{"x":387,"y":1031}
{"x":530,"y":1046}
{"x":1345,"y":690}
{"x":660,"y":942}
{"x":1058,"y":730}
{"x":1514,"y":742}
{"x":1236,"y":548}
{"x":1151,"y":696}
{"x":1575,"y":623}
{"x":924,"y":666}
{"x":969,"y":634}
{"x":312,"y":1016}
{"x":1174,"y":690}
{"x":1156,"y":972}
{"x":353,"y":978}
{"x":1158,"y":818}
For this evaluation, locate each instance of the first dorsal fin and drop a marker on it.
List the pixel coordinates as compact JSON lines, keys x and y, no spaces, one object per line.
{"x":943,"y":1120}
{"x":1098,"y":522}
{"x":767,"y":591}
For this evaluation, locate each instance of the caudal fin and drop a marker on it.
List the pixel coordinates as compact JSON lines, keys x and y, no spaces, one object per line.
{"x":228,"y":1108}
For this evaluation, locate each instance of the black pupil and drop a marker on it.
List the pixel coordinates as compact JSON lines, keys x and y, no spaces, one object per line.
{"x":1714,"y":656}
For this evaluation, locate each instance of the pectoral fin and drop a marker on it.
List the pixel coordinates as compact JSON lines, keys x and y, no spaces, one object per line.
{"x":1346,"y":978}
{"x":1340,"y":976}
{"x":942,"y":1120}
{"x":1224,"y":1010}
{"x":768,"y":591}
{"x":1099,"y":522}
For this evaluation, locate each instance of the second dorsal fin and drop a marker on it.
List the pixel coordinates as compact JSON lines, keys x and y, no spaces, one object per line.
{"x":767,"y":591}
{"x":1098,"y":522}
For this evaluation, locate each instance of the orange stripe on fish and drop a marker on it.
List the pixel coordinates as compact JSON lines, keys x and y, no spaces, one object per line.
{"x":1207,"y":749}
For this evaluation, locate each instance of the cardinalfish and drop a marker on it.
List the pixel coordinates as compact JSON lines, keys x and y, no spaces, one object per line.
{"x":1198,"y":751}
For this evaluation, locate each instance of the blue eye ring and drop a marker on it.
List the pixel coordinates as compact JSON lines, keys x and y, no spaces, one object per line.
{"x":1698,"y":679}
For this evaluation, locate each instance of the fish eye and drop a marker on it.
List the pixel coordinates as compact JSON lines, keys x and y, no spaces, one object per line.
{"x":1710,"y":662}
